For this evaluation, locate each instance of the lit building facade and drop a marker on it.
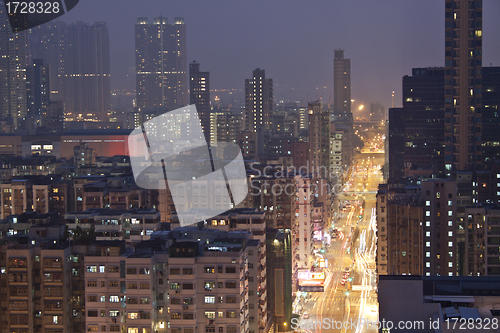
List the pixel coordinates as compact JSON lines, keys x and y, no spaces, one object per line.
{"x":199,"y":94}
{"x":13,"y":63}
{"x":161,"y":64}
{"x":303,"y":229}
{"x":440,"y":227}
{"x":341,"y":82}
{"x":258,"y":101}
{"x":463,"y":86}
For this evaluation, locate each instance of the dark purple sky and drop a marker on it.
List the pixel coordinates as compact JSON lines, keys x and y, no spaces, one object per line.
{"x":294,"y":41}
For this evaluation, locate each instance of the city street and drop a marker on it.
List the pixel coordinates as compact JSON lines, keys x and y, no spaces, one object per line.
{"x":350,"y":286}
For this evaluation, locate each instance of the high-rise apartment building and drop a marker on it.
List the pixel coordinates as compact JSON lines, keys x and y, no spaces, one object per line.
{"x":417,"y":229}
{"x":38,"y":90}
{"x":13,"y":63}
{"x":86,"y":79}
{"x":225,"y":126}
{"x":303,"y":228}
{"x":400,"y":234}
{"x":40,"y":279}
{"x":258,"y":101}
{"x":463,"y":75}
{"x":319,"y":139}
{"x":47,"y":43}
{"x":120,"y":288}
{"x":423,"y":123}
{"x":341,"y":83}
{"x":440,"y":229}
{"x":252,"y":220}
{"x":78,"y":57}
{"x":161,"y":64}
{"x":199,"y":94}
{"x":279,"y":273}
{"x":491,"y":114}
{"x":279,"y":206}
{"x":482,"y":238}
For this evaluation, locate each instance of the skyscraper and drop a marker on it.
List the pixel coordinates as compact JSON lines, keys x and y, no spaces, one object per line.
{"x":319,"y":139}
{"x":86,"y":79}
{"x":258,"y":101}
{"x":161,"y":64}
{"x":38,"y":90}
{"x":13,"y":62}
{"x":463,"y":95}
{"x":491,"y":114}
{"x":199,"y":94}
{"x":78,"y":56}
{"x":440,"y":238}
{"x":423,"y":125}
{"x":46,"y":43}
{"x":341,"y":83}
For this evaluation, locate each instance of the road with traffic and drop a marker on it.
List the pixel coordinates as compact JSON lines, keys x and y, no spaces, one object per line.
{"x":349,"y":301}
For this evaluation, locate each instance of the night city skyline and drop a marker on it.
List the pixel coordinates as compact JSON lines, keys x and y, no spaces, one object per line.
{"x":249,"y":167}
{"x":294,"y":43}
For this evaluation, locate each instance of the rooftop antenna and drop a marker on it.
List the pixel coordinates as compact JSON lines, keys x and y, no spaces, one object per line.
{"x":393,"y":98}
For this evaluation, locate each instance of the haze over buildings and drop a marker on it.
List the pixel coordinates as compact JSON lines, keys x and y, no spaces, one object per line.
{"x":331,"y":213}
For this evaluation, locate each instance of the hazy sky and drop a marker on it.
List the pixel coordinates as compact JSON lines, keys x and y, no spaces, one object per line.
{"x":294,"y":41}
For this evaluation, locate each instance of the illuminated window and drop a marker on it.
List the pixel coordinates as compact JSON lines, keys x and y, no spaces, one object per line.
{"x":210,"y":314}
{"x":92,"y":269}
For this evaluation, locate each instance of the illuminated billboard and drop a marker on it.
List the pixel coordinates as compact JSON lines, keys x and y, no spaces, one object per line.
{"x":318,"y":235}
{"x":311,"y":281}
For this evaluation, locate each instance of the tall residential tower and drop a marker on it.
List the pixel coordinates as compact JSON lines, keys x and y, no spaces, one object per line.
{"x":199,"y":94}
{"x":78,"y":57}
{"x":341,"y":83}
{"x":258,"y":101}
{"x":463,"y":85}
{"x":161,"y":64}
{"x":13,"y":62}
